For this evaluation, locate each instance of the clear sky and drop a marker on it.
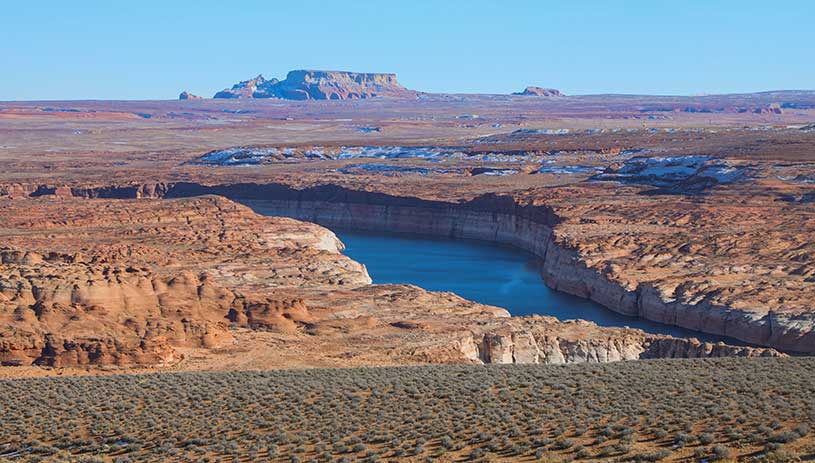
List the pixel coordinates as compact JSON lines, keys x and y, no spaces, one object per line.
{"x":145,"y":49}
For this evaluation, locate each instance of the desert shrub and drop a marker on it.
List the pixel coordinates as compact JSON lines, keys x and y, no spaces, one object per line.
{"x":476,"y":454}
{"x":314,"y":413}
{"x":780,"y":456}
{"x":563,"y":444}
{"x":659,"y":455}
{"x":622,"y":449}
{"x":773,"y":446}
{"x":447,"y":442}
{"x":721,"y":452}
{"x":783,"y":437}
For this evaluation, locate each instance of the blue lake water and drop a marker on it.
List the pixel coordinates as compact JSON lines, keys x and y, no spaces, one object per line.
{"x":484,"y":272}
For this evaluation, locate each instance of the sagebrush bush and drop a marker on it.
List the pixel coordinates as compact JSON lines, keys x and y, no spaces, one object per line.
{"x":621,"y":412}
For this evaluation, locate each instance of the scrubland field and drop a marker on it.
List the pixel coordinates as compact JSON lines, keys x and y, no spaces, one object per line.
{"x":663,"y":410}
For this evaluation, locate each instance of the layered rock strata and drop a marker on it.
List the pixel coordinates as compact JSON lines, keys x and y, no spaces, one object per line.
{"x":631,"y":257}
{"x":699,"y":304}
{"x":126,"y":282}
{"x":142,"y":282}
{"x":563,"y":268}
{"x":413,"y":325}
{"x":320,"y":85}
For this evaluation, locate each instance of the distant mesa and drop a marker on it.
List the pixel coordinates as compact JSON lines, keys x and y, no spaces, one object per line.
{"x":539,"y":91}
{"x":189,"y":96}
{"x":320,"y":85}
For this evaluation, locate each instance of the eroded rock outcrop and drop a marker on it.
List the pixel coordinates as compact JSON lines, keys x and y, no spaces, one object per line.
{"x":185,"y":95}
{"x":320,"y":85}
{"x":678,"y":266}
{"x":123,"y":283}
{"x":257,"y":87}
{"x":535,"y":346}
{"x":545,"y":340}
{"x":539,"y":91}
{"x":133,"y":282}
{"x":668,"y":274}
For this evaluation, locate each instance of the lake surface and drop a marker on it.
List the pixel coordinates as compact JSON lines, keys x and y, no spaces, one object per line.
{"x":484,"y":272}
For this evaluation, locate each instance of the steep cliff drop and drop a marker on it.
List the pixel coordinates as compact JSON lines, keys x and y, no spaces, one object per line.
{"x":570,"y":266}
{"x":564,"y":269}
{"x":193,"y":282}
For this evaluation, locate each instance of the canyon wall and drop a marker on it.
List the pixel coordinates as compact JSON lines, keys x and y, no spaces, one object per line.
{"x":562,"y":268}
{"x":497,"y":219}
{"x":521,"y":346}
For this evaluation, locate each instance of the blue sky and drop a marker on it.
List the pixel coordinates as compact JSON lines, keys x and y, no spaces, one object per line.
{"x":154,"y":49}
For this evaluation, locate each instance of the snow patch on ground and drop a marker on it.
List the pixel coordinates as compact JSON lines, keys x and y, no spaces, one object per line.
{"x":696,"y":172}
{"x":239,"y":156}
{"x":568,"y":170}
{"x":248,"y":155}
{"x":387,"y":169}
{"x":540,"y":132}
{"x":497,"y":172}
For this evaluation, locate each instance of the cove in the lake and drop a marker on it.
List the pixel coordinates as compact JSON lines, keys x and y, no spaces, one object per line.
{"x":484,"y":272}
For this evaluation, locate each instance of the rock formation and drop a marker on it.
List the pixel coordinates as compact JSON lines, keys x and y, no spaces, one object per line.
{"x":539,"y":91}
{"x":531,"y":341}
{"x":697,"y":271}
{"x":708,"y":228}
{"x":772,"y":108}
{"x":576,"y":258}
{"x":252,"y":88}
{"x":320,"y":85}
{"x":126,"y":283}
{"x":185,"y":95}
{"x":140,"y":282}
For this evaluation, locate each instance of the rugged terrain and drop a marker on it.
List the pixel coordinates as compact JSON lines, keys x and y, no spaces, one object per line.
{"x":693,"y":211}
{"x":148,"y":239}
{"x":123,"y":283}
{"x":91,"y":282}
